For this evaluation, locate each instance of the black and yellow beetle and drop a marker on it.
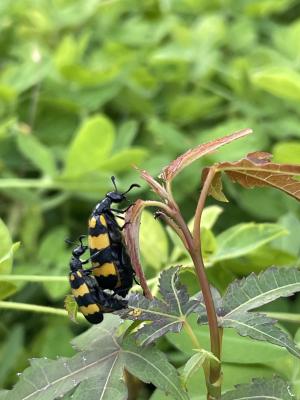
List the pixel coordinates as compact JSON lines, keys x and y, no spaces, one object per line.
{"x":92,"y":301}
{"x":111,"y":265}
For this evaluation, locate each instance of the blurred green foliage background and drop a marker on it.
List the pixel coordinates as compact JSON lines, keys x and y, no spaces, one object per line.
{"x":88,"y":88}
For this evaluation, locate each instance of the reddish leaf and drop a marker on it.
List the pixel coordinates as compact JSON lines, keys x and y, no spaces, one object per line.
{"x":257,"y":170}
{"x":131,"y":235}
{"x":191,"y":155}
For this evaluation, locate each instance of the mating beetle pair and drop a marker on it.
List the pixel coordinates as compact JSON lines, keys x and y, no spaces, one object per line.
{"x":111,"y":265}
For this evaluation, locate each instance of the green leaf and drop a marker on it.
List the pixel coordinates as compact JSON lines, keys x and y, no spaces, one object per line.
{"x":124,"y":160}
{"x":153,"y":241}
{"x":243,"y":238}
{"x":11,"y":350}
{"x":98,"y":369}
{"x":281,"y":82}
{"x":235,"y":348}
{"x":89,"y":77}
{"x":256,"y":290}
{"x":6,"y":249}
{"x":232,"y":374}
{"x":261,"y":389}
{"x":90,"y":147}
{"x":194,"y":363}
{"x":40,"y":156}
{"x":253,"y":292}
{"x":71,"y":307}
{"x":151,"y":366}
{"x":165,"y":315}
{"x":7,"y":289}
{"x":126,"y":134}
{"x":210,"y":216}
{"x":290,"y":243}
{"x":287,"y":152}
{"x":54,"y":262}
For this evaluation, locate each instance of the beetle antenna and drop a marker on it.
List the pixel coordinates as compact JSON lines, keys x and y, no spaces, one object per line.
{"x":69,"y":241}
{"x":131,"y":187}
{"x":113,"y":179}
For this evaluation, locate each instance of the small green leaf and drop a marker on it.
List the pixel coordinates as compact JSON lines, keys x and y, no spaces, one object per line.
{"x":210,"y":216}
{"x":243,"y":238}
{"x":124,"y":160}
{"x":195,"y":362}
{"x":71,"y":307}
{"x":261,"y":389}
{"x":90,"y":147}
{"x":287,"y":152}
{"x":7,"y":289}
{"x":126,"y":134}
{"x":5,"y":249}
{"x":153,"y":241}
{"x":40,"y":156}
{"x":281,"y":82}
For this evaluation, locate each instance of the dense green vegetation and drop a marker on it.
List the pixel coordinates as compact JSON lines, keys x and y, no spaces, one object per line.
{"x":89,"y":88}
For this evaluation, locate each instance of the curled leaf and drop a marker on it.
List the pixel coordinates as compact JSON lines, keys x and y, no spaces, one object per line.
{"x":156,"y":187}
{"x":257,"y":170}
{"x":216,"y":188}
{"x":191,"y":155}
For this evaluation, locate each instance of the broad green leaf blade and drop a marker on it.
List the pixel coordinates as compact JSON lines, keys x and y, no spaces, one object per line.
{"x":90,"y":147}
{"x":166,"y":315}
{"x":151,"y":365}
{"x":3,"y":394}
{"x":94,"y":337}
{"x":256,"y":290}
{"x":261,"y":389}
{"x":40,"y":156}
{"x":243,"y":238}
{"x":104,"y":387}
{"x":49,"y":379}
{"x":259,"y":327}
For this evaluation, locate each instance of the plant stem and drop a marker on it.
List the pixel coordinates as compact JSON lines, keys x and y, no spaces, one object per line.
{"x":192,"y":336}
{"x":200,"y":207}
{"x":194,"y":248}
{"x":295,"y":318}
{"x":10,"y":305}
{"x":43,"y":183}
{"x":32,"y":278}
